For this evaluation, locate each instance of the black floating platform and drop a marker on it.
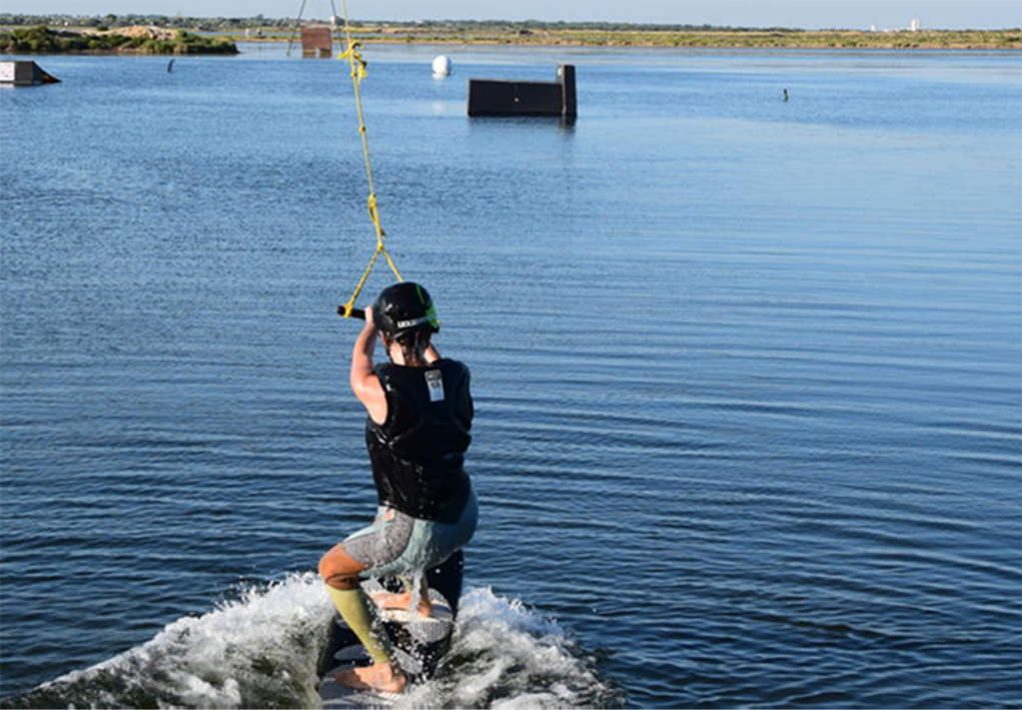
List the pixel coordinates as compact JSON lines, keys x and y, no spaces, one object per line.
{"x":25,"y":73}
{"x":490,"y":97}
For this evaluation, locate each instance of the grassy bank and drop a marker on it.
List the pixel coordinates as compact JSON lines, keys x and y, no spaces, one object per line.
{"x":136,"y":40}
{"x":493,"y":32}
{"x":791,"y":39}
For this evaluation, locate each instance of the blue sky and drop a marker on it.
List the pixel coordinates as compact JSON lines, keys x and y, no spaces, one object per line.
{"x":750,"y":13}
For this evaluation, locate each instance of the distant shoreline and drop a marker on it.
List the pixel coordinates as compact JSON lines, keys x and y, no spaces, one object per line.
{"x":713,"y":39}
{"x":493,"y":33}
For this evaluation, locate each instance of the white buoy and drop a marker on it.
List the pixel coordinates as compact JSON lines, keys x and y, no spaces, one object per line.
{"x":441,"y":67}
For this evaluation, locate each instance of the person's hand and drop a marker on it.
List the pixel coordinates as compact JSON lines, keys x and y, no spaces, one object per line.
{"x":370,"y":323}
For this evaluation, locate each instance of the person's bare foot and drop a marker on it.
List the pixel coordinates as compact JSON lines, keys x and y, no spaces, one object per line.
{"x":388,"y":600}
{"x":381,"y":677}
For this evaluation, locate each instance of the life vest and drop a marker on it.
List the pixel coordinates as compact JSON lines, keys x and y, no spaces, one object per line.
{"x":418,"y":453}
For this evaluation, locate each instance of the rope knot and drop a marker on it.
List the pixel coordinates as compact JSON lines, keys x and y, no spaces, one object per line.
{"x":354,"y":57}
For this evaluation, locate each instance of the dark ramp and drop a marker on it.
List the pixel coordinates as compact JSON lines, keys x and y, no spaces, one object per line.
{"x":491,"y":97}
{"x":25,"y":73}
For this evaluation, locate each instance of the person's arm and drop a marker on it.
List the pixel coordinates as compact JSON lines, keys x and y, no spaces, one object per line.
{"x":364,"y":382}
{"x":431,"y":354}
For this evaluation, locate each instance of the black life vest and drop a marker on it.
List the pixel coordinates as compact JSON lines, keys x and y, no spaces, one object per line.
{"x":418,"y":453}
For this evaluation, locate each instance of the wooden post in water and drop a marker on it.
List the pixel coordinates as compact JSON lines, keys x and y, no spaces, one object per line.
{"x":569,"y":107}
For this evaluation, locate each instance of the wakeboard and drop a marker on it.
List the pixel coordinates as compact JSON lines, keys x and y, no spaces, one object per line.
{"x":419,"y":642}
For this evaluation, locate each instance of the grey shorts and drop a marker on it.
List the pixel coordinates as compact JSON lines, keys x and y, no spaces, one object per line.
{"x":397,"y":544}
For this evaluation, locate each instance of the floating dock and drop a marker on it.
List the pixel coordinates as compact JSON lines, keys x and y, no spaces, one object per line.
{"x":490,"y":97}
{"x":25,"y":73}
{"x":317,"y":41}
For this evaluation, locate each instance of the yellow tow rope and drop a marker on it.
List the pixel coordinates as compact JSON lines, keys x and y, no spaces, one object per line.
{"x":358,"y":73}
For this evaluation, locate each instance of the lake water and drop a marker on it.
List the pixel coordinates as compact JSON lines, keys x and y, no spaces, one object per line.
{"x":748,"y":373}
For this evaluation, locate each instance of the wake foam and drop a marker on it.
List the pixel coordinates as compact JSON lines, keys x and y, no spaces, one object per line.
{"x":262,"y":649}
{"x":505,"y":656}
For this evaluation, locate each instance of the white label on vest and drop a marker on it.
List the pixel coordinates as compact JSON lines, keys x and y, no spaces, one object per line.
{"x":435,"y":382}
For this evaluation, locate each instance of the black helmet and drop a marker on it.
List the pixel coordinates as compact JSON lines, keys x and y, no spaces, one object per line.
{"x":404,"y":308}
